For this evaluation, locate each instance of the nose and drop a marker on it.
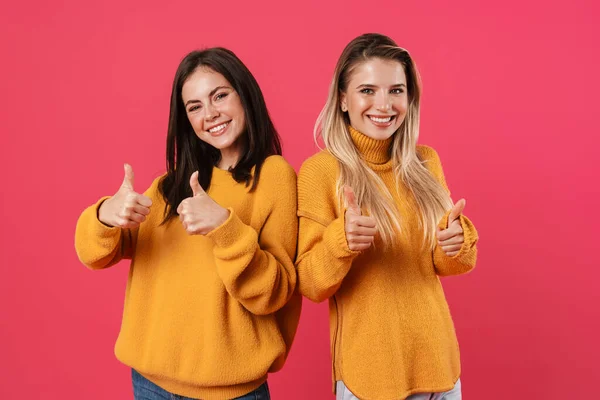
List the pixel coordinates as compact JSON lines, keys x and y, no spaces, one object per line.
{"x":210,"y":112}
{"x":383,"y":102}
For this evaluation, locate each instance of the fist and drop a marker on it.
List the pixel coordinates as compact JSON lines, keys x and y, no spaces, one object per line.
{"x":126,"y":209}
{"x":452,"y":238}
{"x":360,"y":230}
{"x":200,"y":214}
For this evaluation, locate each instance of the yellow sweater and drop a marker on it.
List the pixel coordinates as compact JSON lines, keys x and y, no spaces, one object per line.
{"x":207,"y":316}
{"x":391,"y":330}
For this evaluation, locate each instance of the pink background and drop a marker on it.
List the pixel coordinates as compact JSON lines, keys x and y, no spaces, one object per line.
{"x":510,"y":102}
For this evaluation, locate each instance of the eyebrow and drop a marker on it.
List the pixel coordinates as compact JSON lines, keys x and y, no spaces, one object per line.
{"x":369,"y":85}
{"x":215,"y":90}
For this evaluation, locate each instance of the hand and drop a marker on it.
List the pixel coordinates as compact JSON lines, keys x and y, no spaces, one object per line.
{"x":200,"y":214}
{"x":126,"y":209}
{"x":452,"y":238}
{"x":360,"y":230}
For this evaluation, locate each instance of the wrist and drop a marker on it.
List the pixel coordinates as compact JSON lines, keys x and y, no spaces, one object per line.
{"x":224,"y":217}
{"x":101,"y":214}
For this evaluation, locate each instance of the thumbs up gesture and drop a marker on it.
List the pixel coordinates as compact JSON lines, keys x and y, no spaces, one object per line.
{"x":452,"y":238}
{"x":126,"y":209}
{"x":360,"y":230}
{"x":200,"y":214}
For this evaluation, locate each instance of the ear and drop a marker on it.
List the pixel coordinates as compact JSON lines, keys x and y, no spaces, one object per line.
{"x":343,"y":104}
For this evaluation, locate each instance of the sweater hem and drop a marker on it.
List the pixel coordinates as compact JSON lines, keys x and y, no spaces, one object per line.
{"x":207,"y":392}
{"x":410,"y":392}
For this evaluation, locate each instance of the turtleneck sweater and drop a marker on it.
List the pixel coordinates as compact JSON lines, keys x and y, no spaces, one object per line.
{"x":391,"y":330}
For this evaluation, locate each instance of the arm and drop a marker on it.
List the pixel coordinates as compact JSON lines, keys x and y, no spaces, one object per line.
{"x":466,"y":258}
{"x":464,"y":261}
{"x":324,"y":257}
{"x":107,"y":232}
{"x":100,"y":246}
{"x":257,"y":268}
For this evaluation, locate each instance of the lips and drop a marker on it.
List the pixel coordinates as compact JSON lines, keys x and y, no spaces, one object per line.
{"x":217,"y":130}
{"x":381,"y":120}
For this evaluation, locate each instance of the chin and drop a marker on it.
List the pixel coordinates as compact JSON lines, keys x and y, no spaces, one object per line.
{"x":381,"y":134}
{"x":217,"y":143}
{"x":220,"y":145}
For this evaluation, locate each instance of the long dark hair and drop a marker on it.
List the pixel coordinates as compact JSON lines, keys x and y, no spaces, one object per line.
{"x":186,"y":153}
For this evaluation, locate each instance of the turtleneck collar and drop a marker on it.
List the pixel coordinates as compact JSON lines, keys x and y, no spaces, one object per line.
{"x":373,"y":151}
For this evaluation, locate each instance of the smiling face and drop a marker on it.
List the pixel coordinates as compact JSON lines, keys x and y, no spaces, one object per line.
{"x":214,"y":110}
{"x":376,"y":98}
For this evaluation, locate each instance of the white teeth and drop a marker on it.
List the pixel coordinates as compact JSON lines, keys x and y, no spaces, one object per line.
{"x":380,"y":120}
{"x":218,"y":128}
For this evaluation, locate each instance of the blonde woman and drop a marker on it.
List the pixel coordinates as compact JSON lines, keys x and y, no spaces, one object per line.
{"x":377,"y":228}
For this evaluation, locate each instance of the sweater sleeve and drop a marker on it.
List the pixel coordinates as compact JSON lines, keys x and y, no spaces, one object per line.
{"x":257,"y":269}
{"x":466,"y":258}
{"x":99,"y":246}
{"x":324,"y":258}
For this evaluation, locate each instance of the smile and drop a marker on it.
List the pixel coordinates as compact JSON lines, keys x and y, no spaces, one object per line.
{"x":219,"y":128}
{"x":381,"y":120}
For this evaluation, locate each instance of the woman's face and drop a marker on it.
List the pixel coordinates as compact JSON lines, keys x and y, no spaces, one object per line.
{"x":214,"y":109}
{"x":376,"y":98}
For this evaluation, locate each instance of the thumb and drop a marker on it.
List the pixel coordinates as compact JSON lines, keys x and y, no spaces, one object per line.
{"x":456,"y":210}
{"x":195,"y":185}
{"x":351,"y":200}
{"x":128,"y":180}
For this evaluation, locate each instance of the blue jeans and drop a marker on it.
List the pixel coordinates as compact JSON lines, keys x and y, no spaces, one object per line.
{"x":143,"y":389}
{"x":343,"y":393}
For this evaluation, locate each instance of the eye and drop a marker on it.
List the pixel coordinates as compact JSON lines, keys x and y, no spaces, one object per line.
{"x":367,"y":91}
{"x":397,"y":91}
{"x":221,"y":95}
{"x":194,"y":108}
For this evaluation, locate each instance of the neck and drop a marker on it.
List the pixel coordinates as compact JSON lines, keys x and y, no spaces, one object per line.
{"x":229,"y":156}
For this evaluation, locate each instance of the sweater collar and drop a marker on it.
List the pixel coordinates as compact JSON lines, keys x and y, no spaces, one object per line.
{"x":372,"y":150}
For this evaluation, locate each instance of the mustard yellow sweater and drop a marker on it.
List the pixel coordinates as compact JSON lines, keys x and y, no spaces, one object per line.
{"x":391,"y":330}
{"x":207,"y":316}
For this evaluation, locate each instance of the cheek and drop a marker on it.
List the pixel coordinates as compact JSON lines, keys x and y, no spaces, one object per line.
{"x":358,"y":105}
{"x":195,"y":121}
{"x":402,"y":106}
{"x":236,"y":111}
{"x":241,"y":119}
{"x":241,"y":116}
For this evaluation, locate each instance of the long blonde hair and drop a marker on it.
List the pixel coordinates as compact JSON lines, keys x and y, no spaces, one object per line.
{"x":371,"y":193}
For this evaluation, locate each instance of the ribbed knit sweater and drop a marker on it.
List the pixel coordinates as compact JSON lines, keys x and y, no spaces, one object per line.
{"x":207,"y":316}
{"x":390,"y":327}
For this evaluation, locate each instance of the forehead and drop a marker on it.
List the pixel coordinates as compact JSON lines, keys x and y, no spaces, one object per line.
{"x":379,"y":72}
{"x":201,"y":82}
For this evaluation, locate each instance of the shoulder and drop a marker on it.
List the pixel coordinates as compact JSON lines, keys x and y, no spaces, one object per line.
{"x":156,"y":182}
{"x":321,"y":167}
{"x":430,"y":159}
{"x":154,"y":189}
{"x":427,"y":153}
{"x":277,"y":171}
{"x":317,"y":182}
